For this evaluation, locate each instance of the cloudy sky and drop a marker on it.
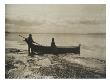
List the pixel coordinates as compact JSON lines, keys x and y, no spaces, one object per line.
{"x":56,"y":18}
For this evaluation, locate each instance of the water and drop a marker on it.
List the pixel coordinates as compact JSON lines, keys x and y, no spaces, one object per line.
{"x":91,"y":45}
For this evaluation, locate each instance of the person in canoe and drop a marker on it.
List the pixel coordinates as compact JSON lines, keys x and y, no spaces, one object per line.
{"x":29,"y":41}
{"x":54,"y":48}
{"x":53,"y":43}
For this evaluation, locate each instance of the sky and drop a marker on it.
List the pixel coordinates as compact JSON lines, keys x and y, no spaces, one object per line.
{"x":62,"y":18}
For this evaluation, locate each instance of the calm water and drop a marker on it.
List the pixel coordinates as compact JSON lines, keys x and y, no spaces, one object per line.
{"x":91,"y":45}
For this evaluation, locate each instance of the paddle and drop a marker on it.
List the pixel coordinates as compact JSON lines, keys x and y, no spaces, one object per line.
{"x":25,"y":38}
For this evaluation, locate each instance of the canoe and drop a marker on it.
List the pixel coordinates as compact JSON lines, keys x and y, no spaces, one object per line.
{"x":55,"y":50}
{"x":37,"y":48}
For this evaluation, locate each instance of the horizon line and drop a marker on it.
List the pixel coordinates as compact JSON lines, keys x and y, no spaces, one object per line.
{"x":52,"y":33}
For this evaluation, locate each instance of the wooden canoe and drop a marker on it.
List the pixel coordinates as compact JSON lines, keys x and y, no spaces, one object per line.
{"x":55,"y":50}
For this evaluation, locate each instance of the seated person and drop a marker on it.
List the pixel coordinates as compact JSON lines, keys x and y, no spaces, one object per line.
{"x":53,"y":43}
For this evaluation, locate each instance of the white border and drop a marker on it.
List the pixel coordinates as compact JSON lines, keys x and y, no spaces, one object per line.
{"x":55,"y":1}
{"x":2,"y":33}
{"x":2,"y":40}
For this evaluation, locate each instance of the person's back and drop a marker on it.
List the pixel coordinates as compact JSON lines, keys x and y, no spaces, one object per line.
{"x":30,"y":40}
{"x":53,"y":43}
{"x":54,"y":48}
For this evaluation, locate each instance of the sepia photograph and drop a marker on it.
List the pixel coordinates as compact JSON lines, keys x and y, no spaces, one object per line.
{"x":55,"y":41}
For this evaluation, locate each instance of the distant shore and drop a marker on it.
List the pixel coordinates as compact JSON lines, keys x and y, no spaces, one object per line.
{"x":58,"y":33}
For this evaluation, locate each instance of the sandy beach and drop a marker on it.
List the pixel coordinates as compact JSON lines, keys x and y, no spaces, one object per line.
{"x":19,"y":65}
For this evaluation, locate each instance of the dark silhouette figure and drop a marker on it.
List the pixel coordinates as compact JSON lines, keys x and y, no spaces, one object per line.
{"x":29,"y":41}
{"x":53,"y":43}
{"x":54,"y":49}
